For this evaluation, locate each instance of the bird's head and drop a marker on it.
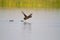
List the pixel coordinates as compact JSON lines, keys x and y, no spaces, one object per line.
{"x":24,"y":18}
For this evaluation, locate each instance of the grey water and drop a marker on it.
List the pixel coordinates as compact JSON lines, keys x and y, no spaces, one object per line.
{"x":44,"y":25}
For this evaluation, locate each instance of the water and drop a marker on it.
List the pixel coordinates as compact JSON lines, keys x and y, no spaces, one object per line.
{"x":44,"y":25}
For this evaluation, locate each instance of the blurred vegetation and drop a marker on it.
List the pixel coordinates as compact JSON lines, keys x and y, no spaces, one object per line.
{"x":30,"y":3}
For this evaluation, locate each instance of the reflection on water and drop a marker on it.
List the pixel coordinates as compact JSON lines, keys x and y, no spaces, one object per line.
{"x":45,"y":25}
{"x":11,"y":20}
{"x":27,"y":31}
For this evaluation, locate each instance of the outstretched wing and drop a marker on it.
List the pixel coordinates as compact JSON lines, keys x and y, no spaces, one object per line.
{"x":24,"y":14}
{"x":30,"y":16}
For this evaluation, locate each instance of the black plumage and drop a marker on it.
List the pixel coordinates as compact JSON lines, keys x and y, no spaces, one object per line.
{"x":26,"y":17}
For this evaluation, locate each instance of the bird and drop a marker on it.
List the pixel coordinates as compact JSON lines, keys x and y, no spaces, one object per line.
{"x":26,"y":17}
